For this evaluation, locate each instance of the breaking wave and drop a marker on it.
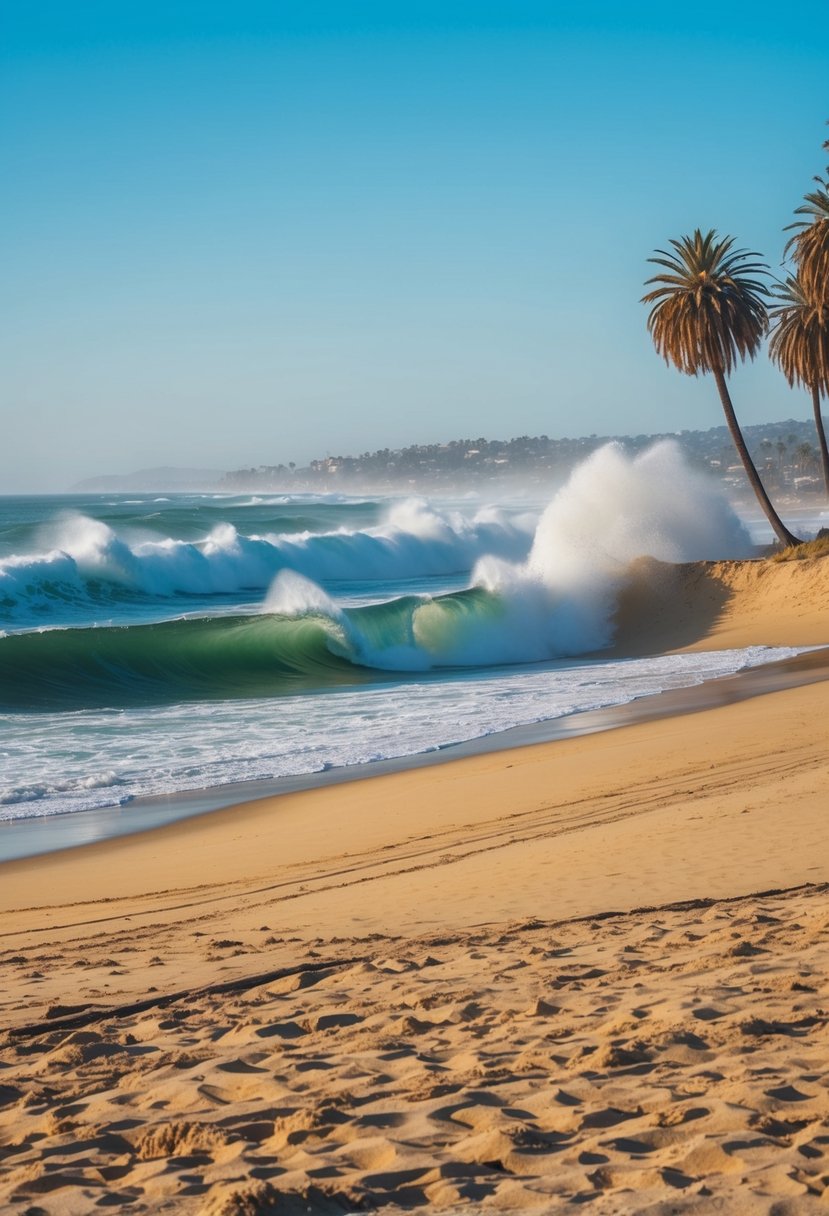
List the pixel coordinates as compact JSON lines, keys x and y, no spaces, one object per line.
{"x":551,"y":598}
{"x":91,"y":566}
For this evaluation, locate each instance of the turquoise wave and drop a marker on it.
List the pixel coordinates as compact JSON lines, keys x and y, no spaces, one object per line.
{"x":237,"y":656}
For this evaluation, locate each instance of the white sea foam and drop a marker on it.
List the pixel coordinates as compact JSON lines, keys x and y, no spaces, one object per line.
{"x":47,"y":757}
{"x":293,"y":594}
{"x":88,"y":559}
{"x":614,"y":508}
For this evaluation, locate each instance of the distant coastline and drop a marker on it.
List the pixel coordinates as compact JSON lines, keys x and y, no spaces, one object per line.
{"x":158,"y":480}
{"x":784,"y":451}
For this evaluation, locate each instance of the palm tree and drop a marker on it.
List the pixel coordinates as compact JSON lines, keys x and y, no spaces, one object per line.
{"x":806,"y":458}
{"x":708,"y":313}
{"x":800,"y":347}
{"x":809,"y":246}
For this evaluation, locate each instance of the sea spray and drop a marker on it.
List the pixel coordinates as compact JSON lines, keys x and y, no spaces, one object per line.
{"x":613,"y":509}
{"x":292,"y":594}
{"x":560,"y":601}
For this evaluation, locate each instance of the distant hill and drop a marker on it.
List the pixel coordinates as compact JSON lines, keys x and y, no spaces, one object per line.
{"x":784,"y":452}
{"x":164,"y":478}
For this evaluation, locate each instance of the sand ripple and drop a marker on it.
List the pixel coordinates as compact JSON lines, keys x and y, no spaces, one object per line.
{"x":672,"y":1060}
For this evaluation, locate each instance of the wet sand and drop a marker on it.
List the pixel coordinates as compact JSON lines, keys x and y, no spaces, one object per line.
{"x":31,"y":836}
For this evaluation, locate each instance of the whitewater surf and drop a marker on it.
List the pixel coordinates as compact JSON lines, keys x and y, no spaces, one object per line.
{"x":157,"y":644}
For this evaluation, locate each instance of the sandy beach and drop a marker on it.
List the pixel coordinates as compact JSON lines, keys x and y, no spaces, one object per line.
{"x":590,"y":973}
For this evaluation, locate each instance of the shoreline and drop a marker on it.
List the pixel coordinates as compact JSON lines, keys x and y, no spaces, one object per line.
{"x":369,"y":823}
{"x":662,"y":609}
{"x":592,"y":968}
{"x":36,"y":836}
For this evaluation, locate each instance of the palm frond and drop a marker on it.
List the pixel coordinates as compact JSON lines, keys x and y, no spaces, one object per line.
{"x":809,"y":244}
{"x":799,"y":342}
{"x":708,"y":311}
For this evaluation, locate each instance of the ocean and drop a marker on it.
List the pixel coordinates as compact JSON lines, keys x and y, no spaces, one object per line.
{"x":156,"y":644}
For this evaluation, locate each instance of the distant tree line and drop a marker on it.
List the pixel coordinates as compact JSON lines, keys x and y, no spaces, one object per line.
{"x":783,"y":451}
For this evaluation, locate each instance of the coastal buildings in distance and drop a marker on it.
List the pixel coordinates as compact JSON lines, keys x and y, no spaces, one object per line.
{"x":785,"y":454}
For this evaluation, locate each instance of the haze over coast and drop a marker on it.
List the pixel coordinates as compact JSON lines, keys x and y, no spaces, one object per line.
{"x":785,"y":450}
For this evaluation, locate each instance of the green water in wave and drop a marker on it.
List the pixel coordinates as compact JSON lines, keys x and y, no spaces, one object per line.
{"x":238,"y":656}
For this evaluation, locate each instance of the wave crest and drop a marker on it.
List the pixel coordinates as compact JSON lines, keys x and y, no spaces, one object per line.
{"x":557,"y":601}
{"x":91,"y":565}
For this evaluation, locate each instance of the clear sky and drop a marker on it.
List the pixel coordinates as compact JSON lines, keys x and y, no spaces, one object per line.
{"x":240,"y":233}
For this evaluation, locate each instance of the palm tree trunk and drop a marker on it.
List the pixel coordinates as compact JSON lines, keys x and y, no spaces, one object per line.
{"x":821,"y":435}
{"x":779,"y":528}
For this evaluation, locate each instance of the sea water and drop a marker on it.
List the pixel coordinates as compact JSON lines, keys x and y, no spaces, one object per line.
{"x":154,"y":644}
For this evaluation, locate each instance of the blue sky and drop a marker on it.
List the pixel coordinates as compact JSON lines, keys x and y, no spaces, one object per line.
{"x":250,"y":233}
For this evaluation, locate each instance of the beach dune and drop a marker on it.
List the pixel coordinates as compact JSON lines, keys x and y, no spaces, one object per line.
{"x":582,"y":972}
{"x":720,"y":605}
